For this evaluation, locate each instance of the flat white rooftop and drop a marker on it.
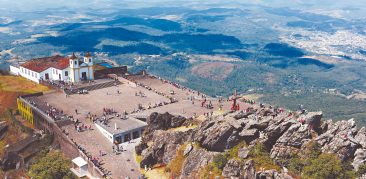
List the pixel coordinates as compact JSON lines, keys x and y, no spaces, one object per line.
{"x":123,"y":125}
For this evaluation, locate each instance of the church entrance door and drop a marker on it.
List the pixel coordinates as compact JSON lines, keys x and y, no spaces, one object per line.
{"x":83,"y":75}
{"x":46,"y":76}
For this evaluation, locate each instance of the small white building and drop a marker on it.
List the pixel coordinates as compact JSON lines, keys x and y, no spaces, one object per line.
{"x":80,"y":167}
{"x":118,"y":131}
{"x":57,"y":68}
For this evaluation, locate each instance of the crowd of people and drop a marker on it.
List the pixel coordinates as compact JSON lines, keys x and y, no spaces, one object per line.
{"x":48,"y":109}
{"x":97,"y":162}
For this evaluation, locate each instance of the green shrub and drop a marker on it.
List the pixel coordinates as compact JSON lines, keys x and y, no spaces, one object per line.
{"x":361,"y":170}
{"x":326,"y":166}
{"x":220,"y":160}
{"x":312,"y":163}
{"x":311,"y":150}
{"x":296,"y":165}
{"x":262,"y":158}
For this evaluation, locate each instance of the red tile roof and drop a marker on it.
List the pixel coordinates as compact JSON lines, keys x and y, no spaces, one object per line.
{"x":41,"y":64}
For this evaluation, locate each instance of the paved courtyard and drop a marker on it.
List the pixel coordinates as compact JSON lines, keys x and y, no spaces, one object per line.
{"x":153,"y":94}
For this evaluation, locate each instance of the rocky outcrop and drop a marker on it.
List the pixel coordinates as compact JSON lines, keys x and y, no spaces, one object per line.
{"x":339,"y":139}
{"x":360,"y":154}
{"x":157,"y":121}
{"x":232,"y":169}
{"x":275,"y":130}
{"x":196,"y":159}
{"x":291,"y":141}
{"x":282,"y":134}
{"x":248,"y":170}
{"x":217,"y":135}
{"x":164,"y":147}
{"x":272,"y":174}
{"x":224,"y":133}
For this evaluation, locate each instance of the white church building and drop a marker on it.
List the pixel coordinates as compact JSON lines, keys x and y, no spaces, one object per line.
{"x":57,"y":68}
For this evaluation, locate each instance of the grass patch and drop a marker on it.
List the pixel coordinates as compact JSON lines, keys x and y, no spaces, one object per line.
{"x":182,"y":128}
{"x":175,"y":166}
{"x":262,"y":159}
{"x":20,"y":84}
{"x":138,"y":158}
{"x":233,"y":152}
{"x":10,"y":88}
{"x":210,"y":171}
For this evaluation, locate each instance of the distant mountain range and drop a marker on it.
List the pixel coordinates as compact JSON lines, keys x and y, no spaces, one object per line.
{"x":286,"y":56}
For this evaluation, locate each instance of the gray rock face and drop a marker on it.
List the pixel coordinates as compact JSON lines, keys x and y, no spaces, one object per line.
{"x":313,"y":119}
{"x":267,"y":174}
{"x":248,"y":171}
{"x":339,"y":139}
{"x":281,"y":133}
{"x":361,"y":137}
{"x":272,"y":174}
{"x":188,"y":149}
{"x":360,"y":158}
{"x":163,"y":150}
{"x":360,"y":154}
{"x":196,"y":159}
{"x":218,"y":134}
{"x":157,"y":121}
{"x":231,"y":169}
{"x":224,"y":133}
{"x":243,"y":153}
{"x":291,"y":141}
{"x":275,"y":130}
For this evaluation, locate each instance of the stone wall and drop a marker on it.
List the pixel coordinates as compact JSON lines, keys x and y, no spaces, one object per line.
{"x":119,"y":71}
{"x":61,"y":141}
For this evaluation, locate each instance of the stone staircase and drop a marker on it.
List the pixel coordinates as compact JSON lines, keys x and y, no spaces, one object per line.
{"x":101,"y":85}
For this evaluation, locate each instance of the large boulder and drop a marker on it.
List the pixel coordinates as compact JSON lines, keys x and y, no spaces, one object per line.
{"x":272,"y":174}
{"x":361,"y":137}
{"x":231,"y":169}
{"x":195,"y":160}
{"x":267,"y":174}
{"x":139,"y":148}
{"x":248,"y":171}
{"x":244,"y":152}
{"x":339,"y":139}
{"x":275,"y":130}
{"x":164,"y":147}
{"x":360,"y":158}
{"x":161,"y":121}
{"x":158,"y":121}
{"x":214,"y":134}
{"x":360,"y":154}
{"x":313,"y":119}
{"x":223,"y":133}
{"x":291,"y":141}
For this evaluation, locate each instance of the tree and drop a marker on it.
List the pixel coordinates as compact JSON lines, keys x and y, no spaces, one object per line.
{"x":326,"y":166}
{"x":53,"y":165}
